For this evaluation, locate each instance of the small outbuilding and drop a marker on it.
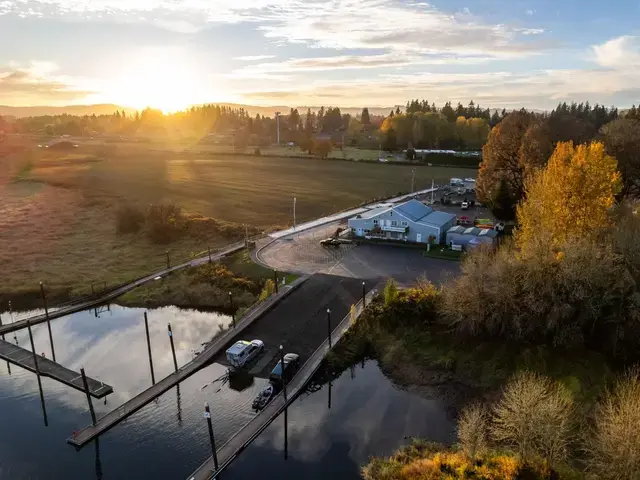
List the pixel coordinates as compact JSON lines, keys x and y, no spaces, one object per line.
{"x":471,"y":237}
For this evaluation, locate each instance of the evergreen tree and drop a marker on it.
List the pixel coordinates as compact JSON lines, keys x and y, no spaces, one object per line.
{"x":502,"y":204}
{"x":365,"y":119}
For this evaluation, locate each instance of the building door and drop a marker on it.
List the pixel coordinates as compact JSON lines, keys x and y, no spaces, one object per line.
{"x":360,"y":232}
{"x":418,"y":237}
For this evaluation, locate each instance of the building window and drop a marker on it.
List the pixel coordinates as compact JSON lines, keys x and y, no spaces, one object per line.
{"x":404,"y":224}
{"x":367,"y":231}
{"x":394,"y":223}
{"x":375,"y":222}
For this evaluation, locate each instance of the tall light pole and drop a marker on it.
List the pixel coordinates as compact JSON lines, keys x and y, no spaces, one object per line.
{"x":294,"y":212}
{"x":413,"y":178}
{"x":278,"y":128}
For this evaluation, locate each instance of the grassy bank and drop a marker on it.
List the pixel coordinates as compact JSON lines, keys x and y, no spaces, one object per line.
{"x":59,"y":209}
{"x":430,"y":359}
{"x":206,"y":286}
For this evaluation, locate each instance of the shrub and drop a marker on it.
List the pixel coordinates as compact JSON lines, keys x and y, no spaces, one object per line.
{"x":585,"y":295}
{"x":268,"y":290}
{"x":390,"y":291}
{"x":534,"y":417}
{"x":129,"y":219}
{"x":614,"y":447}
{"x":164,"y":222}
{"x":473,"y":426}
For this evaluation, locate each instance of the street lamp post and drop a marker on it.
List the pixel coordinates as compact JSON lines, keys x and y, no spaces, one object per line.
{"x":278,"y":128}
{"x":294,"y":212}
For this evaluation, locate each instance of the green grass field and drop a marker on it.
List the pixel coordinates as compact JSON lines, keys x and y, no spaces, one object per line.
{"x":57,"y":218}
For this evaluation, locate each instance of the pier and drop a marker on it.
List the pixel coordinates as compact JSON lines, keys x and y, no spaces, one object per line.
{"x":48,"y":368}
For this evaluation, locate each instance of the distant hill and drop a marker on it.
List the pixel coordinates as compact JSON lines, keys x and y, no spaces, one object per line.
{"x":101,"y":109}
{"x":107,"y":109}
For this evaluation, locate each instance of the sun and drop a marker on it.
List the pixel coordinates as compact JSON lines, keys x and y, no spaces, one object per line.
{"x":158,"y":78}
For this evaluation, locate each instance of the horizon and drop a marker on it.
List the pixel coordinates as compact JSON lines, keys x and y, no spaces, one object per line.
{"x":174,"y":54}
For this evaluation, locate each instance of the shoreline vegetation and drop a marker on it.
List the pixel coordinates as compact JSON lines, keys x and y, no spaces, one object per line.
{"x":534,"y":346}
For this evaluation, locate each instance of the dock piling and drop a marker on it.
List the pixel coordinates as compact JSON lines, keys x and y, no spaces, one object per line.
{"x":35,"y":362}
{"x":275,"y":279}
{"x":86,"y":390}
{"x":146,"y":327}
{"x":363,"y":295}
{"x":329,"y":401}
{"x":329,"y":327}
{"x":286,"y":433}
{"x":284,"y":378}
{"x":212,"y":440}
{"x":233,"y":314}
{"x":8,"y":364}
{"x":173,"y":348}
{"x":168,"y":261}
{"x":46,"y":314}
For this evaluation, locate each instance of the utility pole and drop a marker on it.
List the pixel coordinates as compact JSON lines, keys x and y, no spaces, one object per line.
{"x":432,"y":191}
{"x":278,"y":128}
{"x":294,"y":212}
{"x":413,"y":177}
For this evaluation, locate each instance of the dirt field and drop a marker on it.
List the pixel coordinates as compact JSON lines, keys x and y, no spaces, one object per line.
{"x":57,"y":216}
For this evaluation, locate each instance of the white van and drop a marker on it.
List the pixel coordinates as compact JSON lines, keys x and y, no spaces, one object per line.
{"x":243,"y":352}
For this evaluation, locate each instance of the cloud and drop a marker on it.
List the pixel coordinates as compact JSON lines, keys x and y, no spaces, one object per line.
{"x":619,"y":53}
{"x":252,"y":58}
{"x":530,"y":12}
{"x":536,"y":89}
{"x":397,"y":26}
{"x":35,"y":84}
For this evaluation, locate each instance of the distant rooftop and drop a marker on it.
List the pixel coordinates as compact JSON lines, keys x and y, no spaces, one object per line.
{"x":414,"y":210}
{"x":437,"y":218}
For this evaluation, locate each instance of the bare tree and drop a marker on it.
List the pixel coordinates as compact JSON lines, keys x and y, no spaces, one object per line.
{"x":614,"y":447}
{"x":534,"y":417}
{"x":473,"y":426}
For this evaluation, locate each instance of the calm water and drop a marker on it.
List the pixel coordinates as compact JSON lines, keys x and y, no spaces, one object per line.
{"x":168,"y":438}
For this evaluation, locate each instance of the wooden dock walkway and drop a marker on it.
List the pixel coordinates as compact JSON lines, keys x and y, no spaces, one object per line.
{"x":114,"y":292}
{"x":24,"y":358}
{"x":115,"y":416}
{"x":251,"y":430}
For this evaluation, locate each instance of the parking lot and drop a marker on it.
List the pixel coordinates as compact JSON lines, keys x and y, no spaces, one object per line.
{"x":303,"y":254}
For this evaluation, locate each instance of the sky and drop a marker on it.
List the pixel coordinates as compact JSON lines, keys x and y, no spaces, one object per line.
{"x":169,"y":54}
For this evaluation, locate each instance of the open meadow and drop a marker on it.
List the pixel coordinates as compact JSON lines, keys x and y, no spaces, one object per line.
{"x":58,"y":210}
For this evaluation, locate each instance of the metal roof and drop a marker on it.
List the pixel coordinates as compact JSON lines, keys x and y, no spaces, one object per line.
{"x":472,"y":231}
{"x":487,"y":232}
{"x":437,"y":218}
{"x":456,"y":229}
{"x":373,"y":212}
{"x":414,"y":210}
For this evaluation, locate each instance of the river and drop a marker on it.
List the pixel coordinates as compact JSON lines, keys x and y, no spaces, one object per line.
{"x":168,"y":438}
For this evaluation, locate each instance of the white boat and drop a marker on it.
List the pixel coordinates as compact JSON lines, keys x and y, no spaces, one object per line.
{"x":471,"y":180}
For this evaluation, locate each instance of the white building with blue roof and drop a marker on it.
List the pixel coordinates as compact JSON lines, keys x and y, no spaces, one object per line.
{"x":411,"y":221}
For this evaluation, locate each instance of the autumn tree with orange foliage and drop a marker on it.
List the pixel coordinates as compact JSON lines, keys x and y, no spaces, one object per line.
{"x":515,"y":149}
{"x":571,"y":198}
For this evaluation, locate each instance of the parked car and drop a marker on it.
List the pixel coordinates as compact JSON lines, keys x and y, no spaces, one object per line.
{"x":464,"y":205}
{"x":291,"y":365}
{"x":242,"y":352}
